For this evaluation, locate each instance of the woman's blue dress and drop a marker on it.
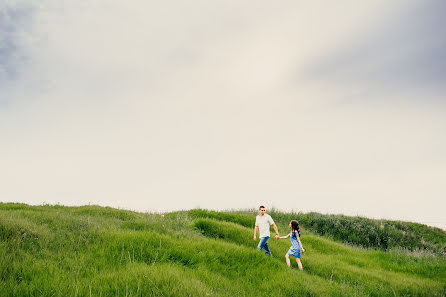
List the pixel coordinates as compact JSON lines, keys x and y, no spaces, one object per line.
{"x":295,"y":246}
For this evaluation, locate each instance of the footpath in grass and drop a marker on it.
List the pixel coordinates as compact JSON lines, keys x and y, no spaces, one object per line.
{"x":98,"y":251}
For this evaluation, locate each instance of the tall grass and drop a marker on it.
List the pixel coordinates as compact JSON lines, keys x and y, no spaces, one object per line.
{"x":96,"y":251}
{"x":369,"y":233}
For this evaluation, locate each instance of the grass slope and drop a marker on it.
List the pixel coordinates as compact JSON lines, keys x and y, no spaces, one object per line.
{"x":100,"y":251}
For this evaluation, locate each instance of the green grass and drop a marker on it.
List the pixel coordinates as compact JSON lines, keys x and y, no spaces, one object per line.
{"x":100,"y":251}
{"x":369,"y":233}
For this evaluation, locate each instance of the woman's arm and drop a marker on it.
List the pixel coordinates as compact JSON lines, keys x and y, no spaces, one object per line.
{"x":283,"y":237}
{"x":298,"y":239}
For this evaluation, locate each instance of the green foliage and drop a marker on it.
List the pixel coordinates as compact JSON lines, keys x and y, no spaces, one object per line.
{"x":95,"y":251}
{"x":369,"y":233}
{"x":243,"y":219}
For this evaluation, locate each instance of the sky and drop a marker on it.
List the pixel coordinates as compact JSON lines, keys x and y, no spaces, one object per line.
{"x":167,"y":105}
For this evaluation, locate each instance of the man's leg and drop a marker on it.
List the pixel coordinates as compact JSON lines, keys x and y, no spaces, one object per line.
{"x":266,"y":248}
{"x":263,"y":241}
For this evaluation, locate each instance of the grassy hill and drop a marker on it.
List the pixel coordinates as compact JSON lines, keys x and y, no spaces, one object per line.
{"x":100,"y":251}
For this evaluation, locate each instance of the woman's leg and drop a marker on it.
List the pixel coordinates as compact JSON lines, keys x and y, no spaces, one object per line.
{"x":287,"y":257}
{"x":299,"y":264}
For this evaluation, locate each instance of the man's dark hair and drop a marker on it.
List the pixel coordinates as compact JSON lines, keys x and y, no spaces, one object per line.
{"x":261,"y":206}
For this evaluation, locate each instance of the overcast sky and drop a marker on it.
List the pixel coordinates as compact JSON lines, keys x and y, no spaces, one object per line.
{"x":335,"y":107}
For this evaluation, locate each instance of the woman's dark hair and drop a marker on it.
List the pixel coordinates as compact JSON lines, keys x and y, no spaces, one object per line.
{"x":295,"y":227}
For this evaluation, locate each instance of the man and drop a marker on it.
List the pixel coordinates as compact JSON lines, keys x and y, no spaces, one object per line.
{"x":263,"y":223}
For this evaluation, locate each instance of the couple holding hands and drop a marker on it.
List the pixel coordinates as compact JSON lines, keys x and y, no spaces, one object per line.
{"x":263,"y":223}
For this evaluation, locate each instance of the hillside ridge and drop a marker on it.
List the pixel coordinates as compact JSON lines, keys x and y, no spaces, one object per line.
{"x":54,"y":250}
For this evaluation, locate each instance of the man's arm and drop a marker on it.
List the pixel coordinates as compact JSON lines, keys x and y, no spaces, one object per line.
{"x":255,"y":232}
{"x":277,"y":231}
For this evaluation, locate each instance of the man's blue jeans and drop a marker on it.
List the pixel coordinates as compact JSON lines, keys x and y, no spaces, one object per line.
{"x":263,"y":245}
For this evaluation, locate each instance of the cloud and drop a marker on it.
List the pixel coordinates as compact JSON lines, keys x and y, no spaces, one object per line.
{"x":15,"y":26}
{"x":405,"y":49}
{"x":174,"y":105}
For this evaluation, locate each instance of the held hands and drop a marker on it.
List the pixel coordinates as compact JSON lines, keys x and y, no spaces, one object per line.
{"x":277,"y":236}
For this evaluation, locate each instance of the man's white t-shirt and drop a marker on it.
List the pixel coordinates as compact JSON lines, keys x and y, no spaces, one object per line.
{"x":264,"y":222}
